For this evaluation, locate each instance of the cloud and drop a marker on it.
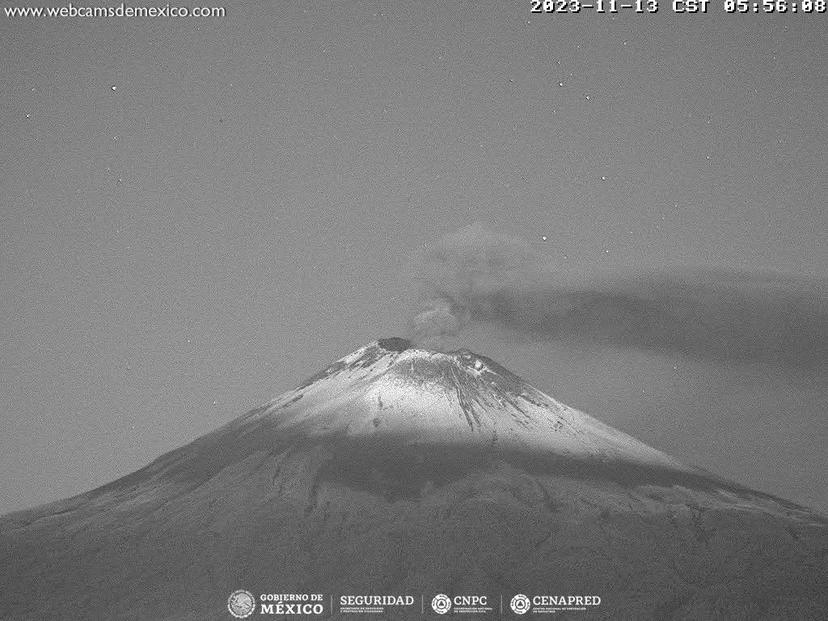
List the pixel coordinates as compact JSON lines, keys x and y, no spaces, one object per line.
{"x":477,"y":275}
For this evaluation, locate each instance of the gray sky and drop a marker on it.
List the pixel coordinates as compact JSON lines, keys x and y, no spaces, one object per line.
{"x":244,"y":205}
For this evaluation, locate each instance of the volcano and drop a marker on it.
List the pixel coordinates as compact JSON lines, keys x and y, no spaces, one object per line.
{"x":402,"y":471}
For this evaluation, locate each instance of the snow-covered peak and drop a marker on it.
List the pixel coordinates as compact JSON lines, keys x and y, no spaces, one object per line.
{"x":389,"y":389}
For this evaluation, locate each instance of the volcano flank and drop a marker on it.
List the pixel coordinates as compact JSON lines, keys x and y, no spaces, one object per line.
{"x":398,"y":470}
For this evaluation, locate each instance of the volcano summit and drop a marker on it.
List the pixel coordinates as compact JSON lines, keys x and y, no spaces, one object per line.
{"x":399,"y":470}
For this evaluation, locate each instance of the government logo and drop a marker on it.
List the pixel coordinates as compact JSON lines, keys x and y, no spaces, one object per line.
{"x":241,"y":604}
{"x":441,"y":604}
{"x":520,"y":604}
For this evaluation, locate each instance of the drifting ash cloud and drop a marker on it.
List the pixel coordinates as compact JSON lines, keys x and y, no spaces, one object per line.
{"x":477,"y":275}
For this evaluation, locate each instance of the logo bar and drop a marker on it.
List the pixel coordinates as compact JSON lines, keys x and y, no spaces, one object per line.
{"x":243,"y":604}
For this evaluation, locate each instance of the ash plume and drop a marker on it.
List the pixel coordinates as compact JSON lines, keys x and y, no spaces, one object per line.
{"x":477,"y":275}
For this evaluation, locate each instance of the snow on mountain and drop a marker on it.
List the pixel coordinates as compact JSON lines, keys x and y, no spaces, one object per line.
{"x":402,"y":470}
{"x":388,"y":388}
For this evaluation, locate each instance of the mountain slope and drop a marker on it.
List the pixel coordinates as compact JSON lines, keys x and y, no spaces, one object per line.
{"x":400,"y":470}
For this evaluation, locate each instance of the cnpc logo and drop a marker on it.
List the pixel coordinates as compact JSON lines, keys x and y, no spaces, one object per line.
{"x":442,"y":604}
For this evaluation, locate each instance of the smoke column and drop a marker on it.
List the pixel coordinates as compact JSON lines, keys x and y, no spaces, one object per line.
{"x":478,"y":275}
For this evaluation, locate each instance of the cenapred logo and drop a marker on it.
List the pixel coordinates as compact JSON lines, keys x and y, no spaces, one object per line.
{"x":552,"y":604}
{"x":241,"y":604}
{"x":441,"y":604}
{"x":520,"y":604}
